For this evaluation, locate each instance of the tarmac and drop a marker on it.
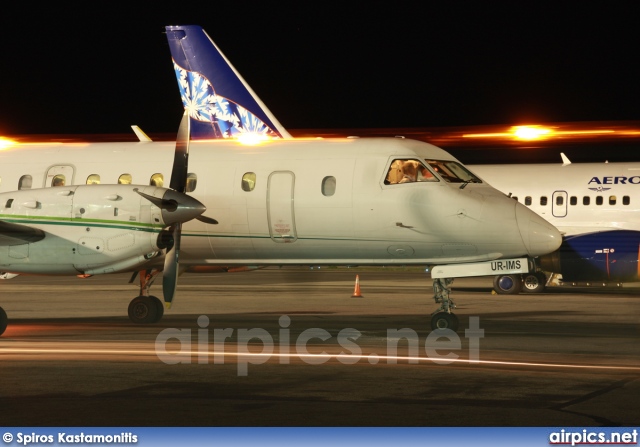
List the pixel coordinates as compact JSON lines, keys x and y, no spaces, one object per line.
{"x":292,"y":347}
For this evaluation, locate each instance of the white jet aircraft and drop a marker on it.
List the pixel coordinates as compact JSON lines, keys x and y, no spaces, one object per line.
{"x":594,"y":205}
{"x":89,"y":209}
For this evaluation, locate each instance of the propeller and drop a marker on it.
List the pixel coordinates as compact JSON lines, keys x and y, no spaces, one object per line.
{"x":177,"y":208}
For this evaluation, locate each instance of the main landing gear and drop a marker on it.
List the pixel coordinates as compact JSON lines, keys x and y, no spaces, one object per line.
{"x":533,"y":282}
{"x":443,"y":318}
{"x":145,"y":308}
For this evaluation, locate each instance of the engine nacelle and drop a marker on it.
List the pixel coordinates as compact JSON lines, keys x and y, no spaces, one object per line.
{"x":602,"y":256}
{"x":89,"y":229}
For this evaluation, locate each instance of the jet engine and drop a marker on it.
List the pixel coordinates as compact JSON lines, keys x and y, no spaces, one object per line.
{"x":601,"y":256}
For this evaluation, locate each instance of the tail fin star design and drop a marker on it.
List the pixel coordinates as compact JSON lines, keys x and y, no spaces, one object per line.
{"x":219,"y":102}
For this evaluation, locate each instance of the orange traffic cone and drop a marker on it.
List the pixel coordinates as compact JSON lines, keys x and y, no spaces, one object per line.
{"x":356,"y":290}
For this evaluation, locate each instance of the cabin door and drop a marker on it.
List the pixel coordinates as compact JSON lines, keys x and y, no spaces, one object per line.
{"x":559,"y":204}
{"x":280,"y":206}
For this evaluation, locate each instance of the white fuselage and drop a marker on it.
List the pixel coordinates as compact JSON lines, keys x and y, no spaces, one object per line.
{"x":577,"y":198}
{"x":280,"y":202}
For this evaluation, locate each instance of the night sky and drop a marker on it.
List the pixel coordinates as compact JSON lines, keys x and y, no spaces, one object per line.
{"x":105,"y":66}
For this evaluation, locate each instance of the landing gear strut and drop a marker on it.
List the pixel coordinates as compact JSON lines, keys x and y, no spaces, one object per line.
{"x":443,"y":318}
{"x":145,"y":308}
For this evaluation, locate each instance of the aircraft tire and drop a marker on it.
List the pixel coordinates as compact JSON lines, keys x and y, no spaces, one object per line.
{"x":4,"y":320}
{"x":143,"y":310}
{"x":534,"y":282}
{"x":444,"y":320}
{"x":507,"y":284}
{"x":159,"y":308}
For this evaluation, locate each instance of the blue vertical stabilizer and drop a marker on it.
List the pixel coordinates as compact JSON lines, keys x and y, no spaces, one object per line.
{"x":219,"y":102}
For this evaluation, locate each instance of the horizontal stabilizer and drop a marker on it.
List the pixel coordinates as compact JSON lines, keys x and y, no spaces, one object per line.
{"x":143,"y":137}
{"x":16,"y":234}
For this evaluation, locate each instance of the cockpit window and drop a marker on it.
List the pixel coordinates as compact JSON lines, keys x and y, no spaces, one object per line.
{"x":453,"y":172}
{"x":407,"y":171}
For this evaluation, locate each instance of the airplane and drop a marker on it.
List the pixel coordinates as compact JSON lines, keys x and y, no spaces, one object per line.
{"x":594,"y":205}
{"x":573,"y":260}
{"x":100,"y":208}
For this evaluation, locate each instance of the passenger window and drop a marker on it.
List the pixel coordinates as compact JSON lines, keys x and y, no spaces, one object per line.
{"x":599,"y":200}
{"x":9,"y":203}
{"x":586,"y":200}
{"x":93,"y":179}
{"x":58,"y":180}
{"x":573,"y":200}
{"x":612,"y":200}
{"x":328,"y":186}
{"x":626,"y":200}
{"x":249,"y":181}
{"x":527,"y":200}
{"x":125,"y":179}
{"x":559,"y":200}
{"x":408,"y":171}
{"x":25,"y":182}
{"x":192,"y":182}
{"x":543,"y":200}
{"x":157,"y":180}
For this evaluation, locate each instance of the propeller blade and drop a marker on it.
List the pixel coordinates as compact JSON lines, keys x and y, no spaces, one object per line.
{"x":187,"y":208}
{"x":170,"y":271}
{"x":208,"y":220}
{"x":181,"y":157}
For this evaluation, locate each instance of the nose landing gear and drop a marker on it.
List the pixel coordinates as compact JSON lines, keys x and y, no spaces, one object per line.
{"x":443,"y":318}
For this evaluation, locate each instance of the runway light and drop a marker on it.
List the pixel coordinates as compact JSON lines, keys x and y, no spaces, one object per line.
{"x":6,"y":142}
{"x":530,"y":132}
{"x":533,"y":132}
{"x":252,"y":139}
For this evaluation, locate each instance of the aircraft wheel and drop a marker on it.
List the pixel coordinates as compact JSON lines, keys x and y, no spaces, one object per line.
{"x":159,"y":308}
{"x":143,"y":310}
{"x":534,"y":282}
{"x":3,"y":321}
{"x":507,"y":284}
{"x":444,"y":320}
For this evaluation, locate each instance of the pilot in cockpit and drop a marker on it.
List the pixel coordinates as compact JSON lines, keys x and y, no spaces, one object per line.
{"x":409,"y":172}
{"x":424,"y":175}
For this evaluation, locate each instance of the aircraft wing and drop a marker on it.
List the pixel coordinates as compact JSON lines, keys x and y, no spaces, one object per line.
{"x":17,"y":234}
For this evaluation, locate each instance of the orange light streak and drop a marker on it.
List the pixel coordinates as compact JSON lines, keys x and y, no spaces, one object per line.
{"x":192,"y":353}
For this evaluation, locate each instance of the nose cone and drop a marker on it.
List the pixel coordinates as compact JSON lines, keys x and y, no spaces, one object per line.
{"x":538,"y":235}
{"x":182,"y":207}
